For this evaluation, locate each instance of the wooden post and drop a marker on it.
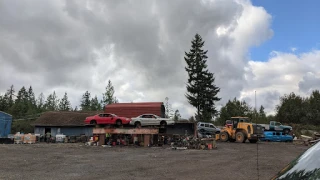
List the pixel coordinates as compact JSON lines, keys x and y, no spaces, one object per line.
{"x":102,"y":138}
{"x":146,"y":141}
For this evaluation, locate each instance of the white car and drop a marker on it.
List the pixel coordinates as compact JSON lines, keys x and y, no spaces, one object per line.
{"x":150,"y":120}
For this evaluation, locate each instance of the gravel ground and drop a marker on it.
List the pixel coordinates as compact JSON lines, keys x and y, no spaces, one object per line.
{"x":76,"y":161}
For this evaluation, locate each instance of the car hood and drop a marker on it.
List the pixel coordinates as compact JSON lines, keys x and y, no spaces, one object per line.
{"x":306,"y":166}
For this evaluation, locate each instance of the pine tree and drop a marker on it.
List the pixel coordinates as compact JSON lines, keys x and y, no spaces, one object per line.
{"x":10,"y":94}
{"x":201,"y":90}
{"x":95,"y":105}
{"x":3,"y":103}
{"x":64,"y":104}
{"x":32,"y":107}
{"x":52,"y":102}
{"x":108,"y":96}
{"x":20,"y":107}
{"x":85,"y":102}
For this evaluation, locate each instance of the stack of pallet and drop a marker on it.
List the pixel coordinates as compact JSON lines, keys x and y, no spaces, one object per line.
{"x":29,"y":139}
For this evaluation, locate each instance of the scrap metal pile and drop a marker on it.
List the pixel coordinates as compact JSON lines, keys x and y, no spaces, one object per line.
{"x":191,"y":142}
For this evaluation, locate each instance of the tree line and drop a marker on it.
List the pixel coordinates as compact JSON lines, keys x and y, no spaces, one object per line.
{"x":25,"y":104}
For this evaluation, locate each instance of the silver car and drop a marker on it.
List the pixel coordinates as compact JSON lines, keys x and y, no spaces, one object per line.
{"x":205,"y":127}
{"x":150,"y":120}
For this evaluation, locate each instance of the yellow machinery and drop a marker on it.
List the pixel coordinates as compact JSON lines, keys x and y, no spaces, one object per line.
{"x":239,"y":129}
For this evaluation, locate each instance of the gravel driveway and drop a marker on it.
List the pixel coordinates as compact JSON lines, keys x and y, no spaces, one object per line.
{"x":76,"y":161}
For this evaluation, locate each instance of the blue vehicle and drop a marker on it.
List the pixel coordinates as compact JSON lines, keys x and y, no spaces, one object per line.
{"x":276,"y":137}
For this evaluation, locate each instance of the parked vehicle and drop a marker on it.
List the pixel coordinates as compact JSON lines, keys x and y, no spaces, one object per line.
{"x":276,"y":136}
{"x":241,"y":130}
{"x":276,"y":126}
{"x":306,"y":166}
{"x":150,"y":120}
{"x":107,"y":118}
{"x":205,"y":127}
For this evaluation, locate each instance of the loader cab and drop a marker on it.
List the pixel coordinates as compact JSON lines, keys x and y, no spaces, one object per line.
{"x":236,"y":120}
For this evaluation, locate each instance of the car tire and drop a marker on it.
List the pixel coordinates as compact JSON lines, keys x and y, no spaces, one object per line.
{"x":93,"y":122}
{"x":118,"y":122}
{"x":137,"y":124}
{"x":163,"y":123}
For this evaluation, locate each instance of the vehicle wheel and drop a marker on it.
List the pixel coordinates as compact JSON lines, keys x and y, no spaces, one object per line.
{"x":286,"y":131}
{"x":240,"y":137}
{"x":202,"y":130}
{"x":163,"y":123}
{"x":93,"y":122}
{"x":224,"y":136}
{"x":118,"y":122}
{"x":137,"y":124}
{"x":253,"y":141}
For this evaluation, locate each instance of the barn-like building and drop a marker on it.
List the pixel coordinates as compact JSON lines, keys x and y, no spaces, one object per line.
{"x":63,"y":122}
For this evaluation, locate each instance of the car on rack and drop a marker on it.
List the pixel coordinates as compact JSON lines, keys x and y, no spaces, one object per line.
{"x":150,"y":120}
{"x":107,"y":118}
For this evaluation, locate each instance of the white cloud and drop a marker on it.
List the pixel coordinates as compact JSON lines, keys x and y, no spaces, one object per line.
{"x":282,"y":74}
{"x":74,"y":46}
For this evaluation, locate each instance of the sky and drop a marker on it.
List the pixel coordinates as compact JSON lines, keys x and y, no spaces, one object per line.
{"x":267,"y":47}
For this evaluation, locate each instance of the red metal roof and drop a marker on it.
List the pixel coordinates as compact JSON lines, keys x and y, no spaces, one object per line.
{"x":135,"y":109}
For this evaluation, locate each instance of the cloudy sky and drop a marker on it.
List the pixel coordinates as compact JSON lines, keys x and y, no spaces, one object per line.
{"x":74,"y":46}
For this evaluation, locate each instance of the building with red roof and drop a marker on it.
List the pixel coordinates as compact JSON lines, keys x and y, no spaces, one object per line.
{"x":135,"y":109}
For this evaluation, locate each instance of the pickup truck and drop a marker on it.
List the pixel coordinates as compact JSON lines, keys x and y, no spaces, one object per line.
{"x":276,"y":137}
{"x":276,"y":126}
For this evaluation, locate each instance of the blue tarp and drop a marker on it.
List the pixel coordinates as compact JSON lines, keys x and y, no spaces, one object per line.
{"x":5,"y":124}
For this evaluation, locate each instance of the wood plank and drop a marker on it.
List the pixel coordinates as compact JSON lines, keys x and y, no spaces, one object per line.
{"x":125,"y":131}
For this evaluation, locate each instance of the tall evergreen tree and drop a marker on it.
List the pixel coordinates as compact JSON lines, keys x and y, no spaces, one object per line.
{"x":10,"y":94}
{"x":108,"y":96}
{"x":202,"y":92}
{"x":32,"y":107}
{"x":85,"y":102}
{"x":65,"y":104}
{"x":95,"y":105}
{"x":20,"y":107}
{"x":3,"y":103}
{"x":52,"y":102}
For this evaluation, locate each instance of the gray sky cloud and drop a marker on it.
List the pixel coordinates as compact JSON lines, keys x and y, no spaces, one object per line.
{"x":75,"y":46}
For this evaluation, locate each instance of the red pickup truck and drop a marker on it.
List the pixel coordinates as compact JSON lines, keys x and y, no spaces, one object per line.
{"x":106,"y":118}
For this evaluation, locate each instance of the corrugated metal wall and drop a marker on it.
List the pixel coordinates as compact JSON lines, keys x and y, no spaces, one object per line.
{"x":5,"y":124}
{"x":68,"y":131}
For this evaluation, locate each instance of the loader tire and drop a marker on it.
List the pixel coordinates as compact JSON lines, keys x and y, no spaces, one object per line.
{"x":224,"y":137}
{"x":240,"y":137}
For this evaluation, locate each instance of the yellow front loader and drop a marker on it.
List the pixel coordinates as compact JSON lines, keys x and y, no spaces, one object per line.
{"x":239,"y":129}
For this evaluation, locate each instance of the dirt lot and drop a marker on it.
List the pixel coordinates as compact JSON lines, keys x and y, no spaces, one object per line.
{"x":76,"y":161}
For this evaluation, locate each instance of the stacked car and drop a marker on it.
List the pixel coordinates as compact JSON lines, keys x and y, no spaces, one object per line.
{"x":142,"y":120}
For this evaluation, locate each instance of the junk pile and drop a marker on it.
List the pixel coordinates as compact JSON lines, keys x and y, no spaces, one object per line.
{"x":190,"y":142}
{"x":310,"y":140}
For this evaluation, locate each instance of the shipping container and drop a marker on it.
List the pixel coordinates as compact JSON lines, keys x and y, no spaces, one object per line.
{"x":5,"y":124}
